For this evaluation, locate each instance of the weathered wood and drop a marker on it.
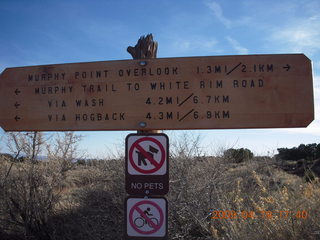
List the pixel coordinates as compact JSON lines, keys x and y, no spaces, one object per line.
{"x":220,"y":92}
{"x":145,"y":48}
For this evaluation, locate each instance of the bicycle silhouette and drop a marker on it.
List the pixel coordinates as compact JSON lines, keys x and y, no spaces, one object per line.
{"x":140,"y":222}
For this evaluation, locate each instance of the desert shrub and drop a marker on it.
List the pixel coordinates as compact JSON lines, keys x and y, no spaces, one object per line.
{"x":186,"y":145}
{"x":30,"y":189}
{"x":86,"y":201}
{"x":238,"y":155}
{"x":309,"y":176}
{"x":81,"y":162}
{"x":192,"y":182}
{"x":93,"y":207}
{"x":6,"y":156}
{"x":257,"y":186}
{"x":260,"y":188}
{"x":308,"y":152}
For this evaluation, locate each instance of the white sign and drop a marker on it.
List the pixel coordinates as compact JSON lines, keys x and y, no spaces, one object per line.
{"x":146,"y":217}
{"x":147,"y":155}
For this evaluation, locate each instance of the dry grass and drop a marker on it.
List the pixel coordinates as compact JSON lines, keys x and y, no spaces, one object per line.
{"x":87,"y":203}
{"x":259,"y":187}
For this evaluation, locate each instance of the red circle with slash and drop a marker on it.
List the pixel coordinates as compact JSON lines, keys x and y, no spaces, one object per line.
{"x":157,"y":165}
{"x":155,"y":227}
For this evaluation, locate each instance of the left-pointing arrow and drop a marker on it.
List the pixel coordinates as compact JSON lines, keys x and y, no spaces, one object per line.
{"x":17,"y":118}
{"x":17,"y":105}
{"x":17,"y":91}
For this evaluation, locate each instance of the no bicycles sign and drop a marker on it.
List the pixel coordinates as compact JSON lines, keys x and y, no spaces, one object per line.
{"x":146,"y":218}
{"x":147,"y":164}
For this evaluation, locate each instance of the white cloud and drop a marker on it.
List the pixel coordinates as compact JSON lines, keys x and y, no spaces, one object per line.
{"x":2,"y":68}
{"x":300,"y":35}
{"x":209,"y":44}
{"x":195,"y":45}
{"x":312,"y":129}
{"x":316,"y":90}
{"x":316,"y":80}
{"x":218,"y":13}
{"x":183,"y":45}
{"x":236,"y":45}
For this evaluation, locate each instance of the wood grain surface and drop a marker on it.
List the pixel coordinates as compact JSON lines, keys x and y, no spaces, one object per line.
{"x":219,"y":92}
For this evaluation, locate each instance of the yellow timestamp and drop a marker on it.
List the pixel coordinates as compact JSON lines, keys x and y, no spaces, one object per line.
{"x":231,"y":214}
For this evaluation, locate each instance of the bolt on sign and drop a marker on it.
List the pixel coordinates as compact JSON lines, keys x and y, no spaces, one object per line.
{"x":147,"y":164}
{"x":146,"y":218}
{"x":218,"y":92}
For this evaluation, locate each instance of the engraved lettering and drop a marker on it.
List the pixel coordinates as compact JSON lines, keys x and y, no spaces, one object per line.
{"x":53,"y":90}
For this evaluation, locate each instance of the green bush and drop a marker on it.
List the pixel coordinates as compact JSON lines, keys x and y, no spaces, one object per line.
{"x":238,"y":155}
{"x":308,"y":152}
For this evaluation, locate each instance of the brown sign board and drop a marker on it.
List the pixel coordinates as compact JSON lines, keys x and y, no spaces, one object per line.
{"x":147,"y":164}
{"x":215,"y":92}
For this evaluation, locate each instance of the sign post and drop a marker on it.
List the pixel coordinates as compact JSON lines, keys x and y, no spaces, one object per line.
{"x":149,"y":94}
{"x":147,"y":169}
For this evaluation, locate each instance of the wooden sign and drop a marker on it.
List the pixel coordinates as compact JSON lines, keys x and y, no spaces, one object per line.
{"x":222,"y":92}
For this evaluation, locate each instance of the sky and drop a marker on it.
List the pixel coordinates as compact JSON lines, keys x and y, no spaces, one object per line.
{"x":42,"y":32}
